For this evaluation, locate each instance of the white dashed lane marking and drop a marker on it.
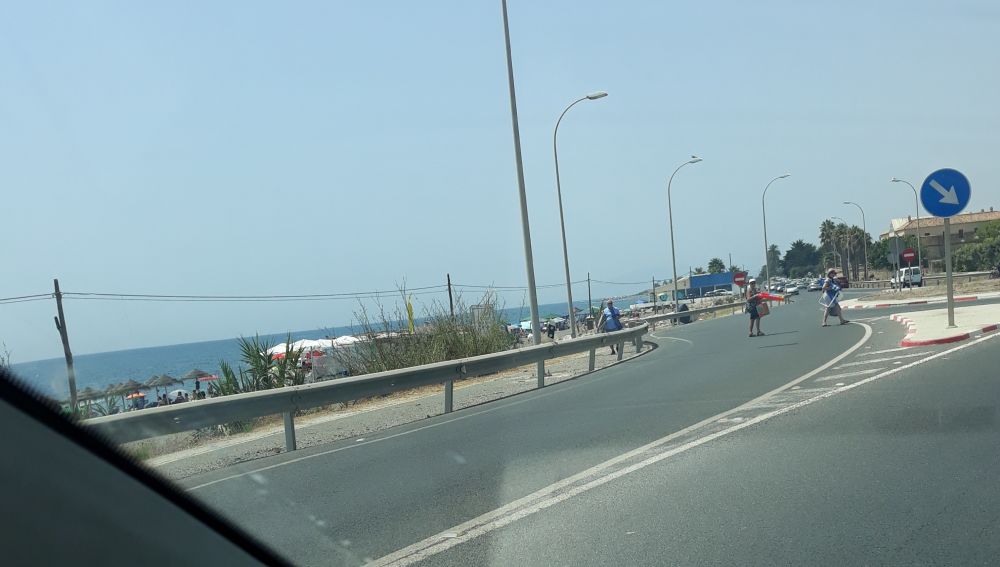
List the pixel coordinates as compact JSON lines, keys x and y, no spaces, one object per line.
{"x":850,"y":374}
{"x":877,"y":360}
{"x":884,"y":351}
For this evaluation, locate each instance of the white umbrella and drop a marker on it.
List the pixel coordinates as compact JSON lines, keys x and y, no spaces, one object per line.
{"x":312,"y":344}
{"x":172,"y":395}
{"x":345,"y":341}
{"x":278,"y":349}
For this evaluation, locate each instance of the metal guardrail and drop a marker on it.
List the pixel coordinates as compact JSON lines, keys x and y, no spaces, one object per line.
{"x":938,"y":279}
{"x":654,"y":319}
{"x":143,"y":424}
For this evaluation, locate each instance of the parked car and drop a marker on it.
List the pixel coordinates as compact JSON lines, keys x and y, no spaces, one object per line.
{"x":792,"y":290}
{"x":843,"y":282}
{"x":815,"y":286}
{"x":906,"y":277}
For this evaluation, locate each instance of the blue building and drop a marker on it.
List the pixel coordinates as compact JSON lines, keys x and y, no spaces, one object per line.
{"x":704,"y":283}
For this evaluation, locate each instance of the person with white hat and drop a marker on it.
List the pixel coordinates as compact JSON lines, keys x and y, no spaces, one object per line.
{"x":831,"y":298}
{"x":752,"y":302}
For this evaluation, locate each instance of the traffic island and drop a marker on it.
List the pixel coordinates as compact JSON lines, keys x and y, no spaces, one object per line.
{"x":931,"y":327}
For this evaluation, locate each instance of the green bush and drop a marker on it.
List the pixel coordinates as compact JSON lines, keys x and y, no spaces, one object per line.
{"x":388,"y":343}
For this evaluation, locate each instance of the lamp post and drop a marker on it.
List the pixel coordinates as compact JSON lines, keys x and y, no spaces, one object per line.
{"x":536,"y":328}
{"x":848,"y":244}
{"x":767,"y":255}
{"x":562,"y":224}
{"x":916,"y":204}
{"x":864,"y":228}
{"x":670,"y":215}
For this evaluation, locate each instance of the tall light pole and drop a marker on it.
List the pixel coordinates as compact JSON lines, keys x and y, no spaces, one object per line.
{"x":916,"y":204}
{"x":536,"y":328}
{"x":562,"y":224}
{"x":670,"y":215}
{"x":767,"y":255}
{"x":864,"y":229}
{"x":848,"y":244}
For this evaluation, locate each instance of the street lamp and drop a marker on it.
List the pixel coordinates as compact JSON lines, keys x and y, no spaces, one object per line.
{"x":562,"y":224}
{"x":916,"y":204}
{"x":767,"y":255}
{"x":536,"y":327}
{"x":864,"y":228}
{"x":670,"y":214}
{"x":848,"y":243}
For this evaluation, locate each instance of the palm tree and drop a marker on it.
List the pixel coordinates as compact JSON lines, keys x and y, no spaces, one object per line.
{"x":842,"y":242}
{"x":828,"y":238}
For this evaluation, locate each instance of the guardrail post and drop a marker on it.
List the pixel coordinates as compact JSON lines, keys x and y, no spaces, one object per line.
{"x":449,"y":395}
{"x":540,"y":370}
{"x":593,"y":359}
{"x":289,"y":431}
{"x":638,"y":344}
{"x":621,"y":347}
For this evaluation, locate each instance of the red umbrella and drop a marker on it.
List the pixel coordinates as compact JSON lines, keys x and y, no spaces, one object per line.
{"x":208,"y":378}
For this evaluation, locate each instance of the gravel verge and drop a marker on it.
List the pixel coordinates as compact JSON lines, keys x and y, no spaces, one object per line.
{"x":186,"y":454}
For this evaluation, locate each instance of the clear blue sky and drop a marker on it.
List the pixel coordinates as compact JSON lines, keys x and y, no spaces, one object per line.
{"x":261,"y":147}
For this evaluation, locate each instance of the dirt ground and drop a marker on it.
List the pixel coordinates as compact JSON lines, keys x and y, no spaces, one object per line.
{"x":934,"y":290}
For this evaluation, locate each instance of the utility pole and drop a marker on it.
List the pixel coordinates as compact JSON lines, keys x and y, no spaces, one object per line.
{"x":730,"y":261}
{"x":590,"y":302}
{"x":61,"y":326}
{"x":654,"y":295}
{"x":451,"y":302}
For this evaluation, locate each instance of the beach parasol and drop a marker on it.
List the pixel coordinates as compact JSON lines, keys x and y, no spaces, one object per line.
{"x":157,"y":382}
{"x":89,"y":393}
{"x":135,"y":395}
{"x":195,"y":374}
{"x":208,"y":378}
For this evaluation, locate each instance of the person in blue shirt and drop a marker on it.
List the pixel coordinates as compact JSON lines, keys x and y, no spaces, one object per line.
{"x":611,"y":320}
{"x":831,"y":297}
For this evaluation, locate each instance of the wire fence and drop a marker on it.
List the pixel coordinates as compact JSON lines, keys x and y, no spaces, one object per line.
{"x":266,"y":298}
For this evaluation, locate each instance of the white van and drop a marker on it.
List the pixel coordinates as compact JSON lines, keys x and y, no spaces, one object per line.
{"x":907,"y":277}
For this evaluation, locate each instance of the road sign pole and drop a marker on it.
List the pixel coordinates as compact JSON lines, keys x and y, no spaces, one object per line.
{"x":947,"y":267}
{"x":944,"y":194}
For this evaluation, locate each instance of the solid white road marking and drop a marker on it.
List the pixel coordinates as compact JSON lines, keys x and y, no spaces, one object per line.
{"x":850,"y":374}
{"x":887,"y":359}
{"x":562,"y":490}
{"x":655,"y":336}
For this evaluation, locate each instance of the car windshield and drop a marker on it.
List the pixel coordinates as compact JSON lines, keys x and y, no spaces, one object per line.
{"x":404,"y":282}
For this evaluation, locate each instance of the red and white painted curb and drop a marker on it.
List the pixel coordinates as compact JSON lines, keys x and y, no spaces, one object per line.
{"x":908,"y":341}
{"x":922,"y":302}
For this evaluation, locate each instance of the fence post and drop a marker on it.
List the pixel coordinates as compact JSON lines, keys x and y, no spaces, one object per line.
{"x":449,"y":395}
{"x":289,"y":431}
{"x":593,"y":359}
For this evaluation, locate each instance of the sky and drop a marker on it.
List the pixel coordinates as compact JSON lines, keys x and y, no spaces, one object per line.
{"x":261,"y":148}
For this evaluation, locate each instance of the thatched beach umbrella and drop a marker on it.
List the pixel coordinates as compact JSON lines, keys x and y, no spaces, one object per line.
{"x":194,"y":375}
{"x":158,"y":382}
{"x":89,"y":393}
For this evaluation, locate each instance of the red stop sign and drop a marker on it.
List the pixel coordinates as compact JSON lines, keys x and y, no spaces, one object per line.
{"x":740,"y":278}
{"x":909,"y":255}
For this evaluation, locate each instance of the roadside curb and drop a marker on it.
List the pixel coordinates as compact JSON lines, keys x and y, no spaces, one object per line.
{"x":911,"y":330}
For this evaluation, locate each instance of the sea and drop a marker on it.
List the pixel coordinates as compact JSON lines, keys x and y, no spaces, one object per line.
{"x":99,"y":370}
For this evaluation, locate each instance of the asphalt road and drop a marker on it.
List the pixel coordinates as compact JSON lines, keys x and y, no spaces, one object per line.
{"x":549,"y":476}
{"x":900,"y":471}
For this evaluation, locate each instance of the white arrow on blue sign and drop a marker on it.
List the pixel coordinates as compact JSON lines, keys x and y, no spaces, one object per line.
{"x":945,"y":193}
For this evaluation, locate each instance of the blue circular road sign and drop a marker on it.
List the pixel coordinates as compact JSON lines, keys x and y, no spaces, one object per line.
{"x":945,"y":193}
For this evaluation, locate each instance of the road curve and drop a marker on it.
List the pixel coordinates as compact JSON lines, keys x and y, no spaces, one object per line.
{"x":353,"y":501}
